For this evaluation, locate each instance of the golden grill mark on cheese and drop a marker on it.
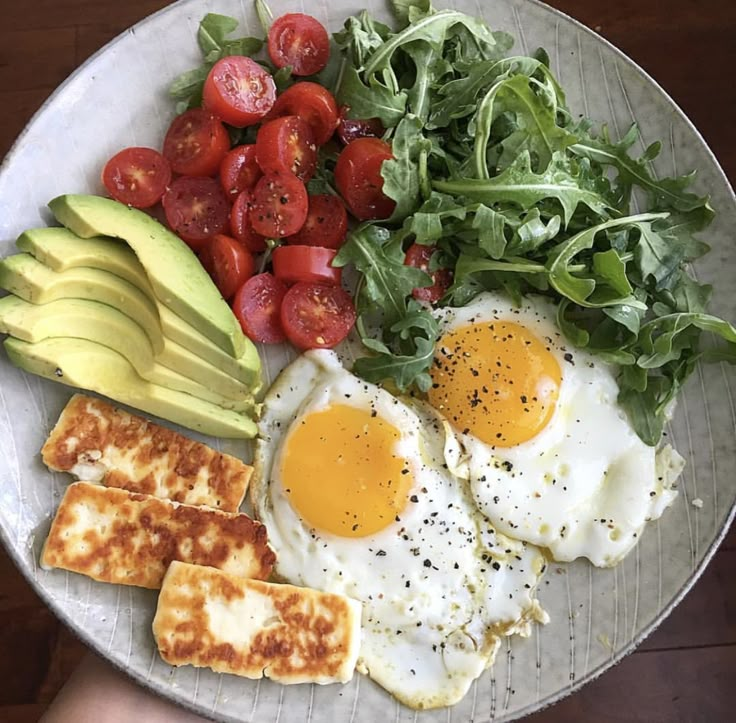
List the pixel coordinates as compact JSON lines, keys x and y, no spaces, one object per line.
{"x":116,"y":536}
{"x":289,"y":634}
{"x":100,"y":443}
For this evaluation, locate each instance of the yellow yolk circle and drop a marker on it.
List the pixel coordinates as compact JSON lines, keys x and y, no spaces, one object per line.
{"x":341,"y":471}
{"x":495,"y":380}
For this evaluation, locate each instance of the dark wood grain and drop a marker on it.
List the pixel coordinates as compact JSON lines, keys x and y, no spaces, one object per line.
{"x":686,"y":671}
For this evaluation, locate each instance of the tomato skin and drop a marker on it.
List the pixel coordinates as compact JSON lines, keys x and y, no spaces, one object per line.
{"x":317,"y":316}
{"x":287,"y":144}
{"x":241,"y":227}
{"x":359,"y":181}
{"x":314,"y":104}
{"x":196,"y":143}
{"x":349,"y":129}
{"x":418,"y":256}
{"x":300,"y":41}
{"x":279,"y":206}
{"x":326,"y":224}
{"x":137,"y":176}
{"x":239,"y":170}
{"x":257,"y":306}
{"x":228,"y":262}
{"x":239,"y":91}
{"x":196,"y":209}
{"x":292,"y":264}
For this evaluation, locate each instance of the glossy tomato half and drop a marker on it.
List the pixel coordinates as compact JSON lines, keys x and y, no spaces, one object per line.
{"x":196,"y":209}
{"x":358,"y":178}
{"x":137,"y":177}
{"x":196,"y":143}
{"x":279,"y":206}
{"x":287,"y":145}
{"x":326,"y":224}
{"x":314,"y":104}
{"x":241,"y":226}
{"x":228,"y":262}
{"x":239,"y":170}
{"x":299,"y":41}
{"x":239,"y":90}
{"x":317,"y":316}
{"x":419,"y":256}
{"x":257,"y":306}
{"x":350,"y":129}
{"x":305,"y":263}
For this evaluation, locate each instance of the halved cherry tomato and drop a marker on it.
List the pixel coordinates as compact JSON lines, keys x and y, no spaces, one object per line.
{"x":137,"y":177}
{"x":241,"y":227}
{"x":239,"y":170}
{"x":349,"y":129}
{"x":358,"y":178}
{"x":287,"y":144}
{"x":316,"y":316}
{"x":300,"y":41}
{"x":314,"y":104}
{"x":196,"y":143}
{"x":305,"y":263}
{"x":196,"y":209}
{"x":239,"y":90}
{"x":418,"y":256}
{"x":228,"y":262}
{"x":257,"y":306}
{"x":279,"y":206}
{"x":326,"y":224}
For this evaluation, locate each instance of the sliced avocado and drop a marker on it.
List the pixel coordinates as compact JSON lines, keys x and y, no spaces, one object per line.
{"x":105,"y":325}
{"x":60,"y":249}
{"x":176,"y":275}
{"x":64,"y":251}
{"x":36,"y":283}
{"x":86,"y":365}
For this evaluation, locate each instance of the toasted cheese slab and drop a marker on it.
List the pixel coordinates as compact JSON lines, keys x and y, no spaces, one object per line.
{"x":116,"y":536}
{"x":208,"y":618}
{"x":96,"y":442}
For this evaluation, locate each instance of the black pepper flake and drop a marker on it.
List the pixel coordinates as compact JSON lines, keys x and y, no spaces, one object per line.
{"x":496,"y":566}
{"x":428,"y":563}
{"x":381,"y":553}
{"x":568,"y":358}
{"x":414,"y":498}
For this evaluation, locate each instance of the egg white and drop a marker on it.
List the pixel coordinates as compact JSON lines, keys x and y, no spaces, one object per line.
{"x":439,"y":586}
{"x":586,"y":484}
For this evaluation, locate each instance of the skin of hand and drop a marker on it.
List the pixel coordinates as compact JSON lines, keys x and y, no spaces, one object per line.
{"x":97,"y":693}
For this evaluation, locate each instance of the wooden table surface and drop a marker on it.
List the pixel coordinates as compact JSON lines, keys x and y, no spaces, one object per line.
{"x":686,"y":671}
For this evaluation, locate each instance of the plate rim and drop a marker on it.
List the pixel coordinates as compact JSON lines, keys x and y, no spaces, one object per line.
{"x":168,"y":692}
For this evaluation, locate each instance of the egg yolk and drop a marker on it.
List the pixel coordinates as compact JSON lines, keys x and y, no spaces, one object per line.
{"x":341,"y":471}
{"x":495,"y":380}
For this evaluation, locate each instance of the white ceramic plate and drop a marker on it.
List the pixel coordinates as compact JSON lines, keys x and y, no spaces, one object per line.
{"x":117,"y":99}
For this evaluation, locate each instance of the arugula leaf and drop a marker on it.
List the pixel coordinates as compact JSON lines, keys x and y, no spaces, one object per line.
{"x":562,"y":180}
{"x":213,"y":29}
{"x":401,"y":175}
{"x":409,"y":11}
{"x":536,"y":130}
{"x":667,"y":193}
{"x":377,"y":254}
{"x":370,"y":101}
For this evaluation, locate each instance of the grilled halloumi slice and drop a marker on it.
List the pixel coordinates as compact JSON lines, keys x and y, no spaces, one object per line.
{"x":208,"y":618}
{"x":96,"y":442}
{"x":116,"y":536}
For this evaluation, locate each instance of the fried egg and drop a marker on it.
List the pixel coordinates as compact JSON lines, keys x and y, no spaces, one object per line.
{"x":353,"y":487}
{"x":550,"y":456}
